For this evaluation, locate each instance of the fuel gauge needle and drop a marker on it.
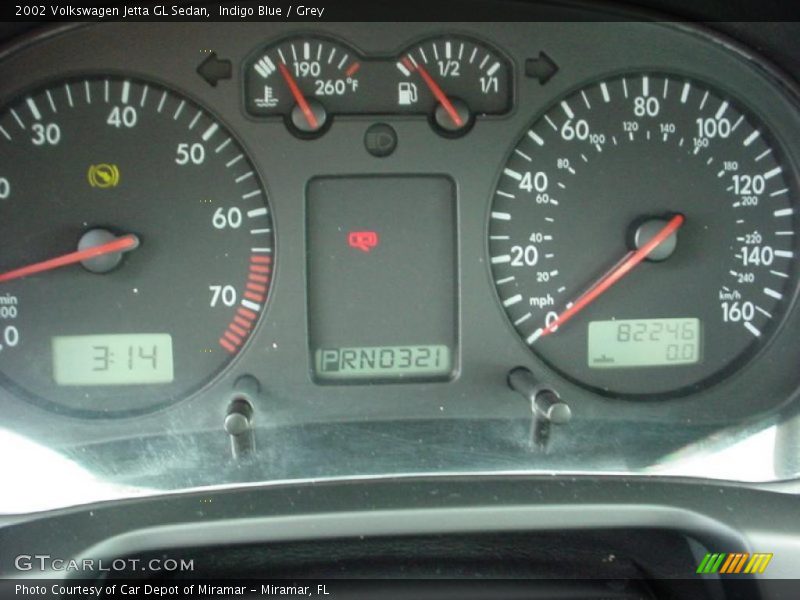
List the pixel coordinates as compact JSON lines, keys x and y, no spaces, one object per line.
{"x":625,"y":265}
{"x":301,"y":101}
{"x":440,"y":96}
{"x":124,"y":243}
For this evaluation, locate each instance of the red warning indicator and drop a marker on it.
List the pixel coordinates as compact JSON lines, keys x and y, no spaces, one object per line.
{"x":362,"y":240}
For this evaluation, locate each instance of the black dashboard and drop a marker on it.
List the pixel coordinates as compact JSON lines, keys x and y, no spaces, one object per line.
{"x":279,"y":253}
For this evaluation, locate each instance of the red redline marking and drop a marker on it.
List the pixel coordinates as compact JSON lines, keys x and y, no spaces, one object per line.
{"x":238,"y":330}
{"x":242,"y":322}
{"x":260,"y":259}
{"x":233,"y":337}
{"x":408,"y":64}
{"x":258,"y":278}
{"x":351,"y":70}
{"x":259,"y":269}
{"x":227,"y":345}
{"x":254,"y":297}
{"x":247,"y":314}
{"x":256,"y":287}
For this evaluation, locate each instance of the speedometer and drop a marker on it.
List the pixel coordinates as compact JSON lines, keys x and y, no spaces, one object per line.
{"x":642,"y":235}
{"x":137,"y":245}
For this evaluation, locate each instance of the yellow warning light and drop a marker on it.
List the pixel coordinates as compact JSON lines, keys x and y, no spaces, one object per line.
{"x":103,"y":176}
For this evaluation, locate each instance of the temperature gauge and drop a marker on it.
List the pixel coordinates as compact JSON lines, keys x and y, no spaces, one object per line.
{"x":304,"y":80}
{"x":307,"y":81}
{"x":453,"y":79}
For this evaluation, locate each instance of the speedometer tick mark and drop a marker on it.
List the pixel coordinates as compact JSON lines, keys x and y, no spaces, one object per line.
{"x":721,"y":110}
{"x":703,"y":101}
{"x":234,"y":160}
{"x":751,"y":138}
{"x":604,"y":91}
{"x":221,"y":147}
{"x":763,"y":154}
{"x":17,"y":119}
{"x":179,"y":111}
{"x":522,"y":319}
{"x":752,"y":328}
{"x":257,"y":212}
{"x":208,"y":133}
{"x":685,"y":92}
{"x":161,"y":102}
{"x":51,"y":101}
{"x":196,"y":119}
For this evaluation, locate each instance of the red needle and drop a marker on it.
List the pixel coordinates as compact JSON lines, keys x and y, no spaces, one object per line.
{"x":440,"y":96}
{"x":298,"y":97}
{"x":622,"y":268}
{"x":122,"y":244}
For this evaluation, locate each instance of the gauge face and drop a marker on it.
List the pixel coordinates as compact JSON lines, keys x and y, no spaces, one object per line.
{"x":137,"y":245}
{"x":310,"y":80}
{"x":305,"y":80}
{"x":642,"y":235}
{"x":453,"y":79}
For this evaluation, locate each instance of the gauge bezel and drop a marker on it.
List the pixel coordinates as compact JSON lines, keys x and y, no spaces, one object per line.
{"x":757,"y":347}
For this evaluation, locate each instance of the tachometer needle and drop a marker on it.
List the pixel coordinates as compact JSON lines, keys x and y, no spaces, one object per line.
{"x":617,"y":272}
{"x":440,"y":96}
{"x":301,"y":101}
{"x":124,"y":243}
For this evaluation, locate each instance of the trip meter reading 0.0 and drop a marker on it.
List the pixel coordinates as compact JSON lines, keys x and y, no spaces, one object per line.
{"x":137,"y":245}
{"x":637,"y":204}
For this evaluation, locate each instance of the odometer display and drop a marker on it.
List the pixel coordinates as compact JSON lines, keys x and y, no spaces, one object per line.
{"x":137,"y":245}
{"x":642,"y":199}
{"x":643,"y":343}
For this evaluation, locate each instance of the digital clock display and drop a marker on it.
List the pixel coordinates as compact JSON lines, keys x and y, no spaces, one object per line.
{"x":644,"y":342}
{"x":114,"y":359}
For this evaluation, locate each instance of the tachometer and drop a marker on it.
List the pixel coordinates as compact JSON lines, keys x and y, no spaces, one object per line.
{"x":642,"y":235}
{"x":137,"y":245}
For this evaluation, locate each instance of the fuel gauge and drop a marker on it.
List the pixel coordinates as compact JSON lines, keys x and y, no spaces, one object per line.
{"x":453,"y":79}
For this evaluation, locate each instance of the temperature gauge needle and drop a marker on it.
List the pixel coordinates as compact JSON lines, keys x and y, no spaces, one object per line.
{"x":617,"y":272}
{"x":440,"y":96}
{"x":119,"y":245}
{"x":301,"y":101}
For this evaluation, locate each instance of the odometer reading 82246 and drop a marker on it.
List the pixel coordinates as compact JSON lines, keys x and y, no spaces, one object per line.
{"x":643,"y":343}
{"x":645,"y":199}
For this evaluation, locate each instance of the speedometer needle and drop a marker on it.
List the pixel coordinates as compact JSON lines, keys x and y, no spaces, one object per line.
{"x":301,"y":101}
{"x":617,"y":272}
{"x":121,"y":244}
